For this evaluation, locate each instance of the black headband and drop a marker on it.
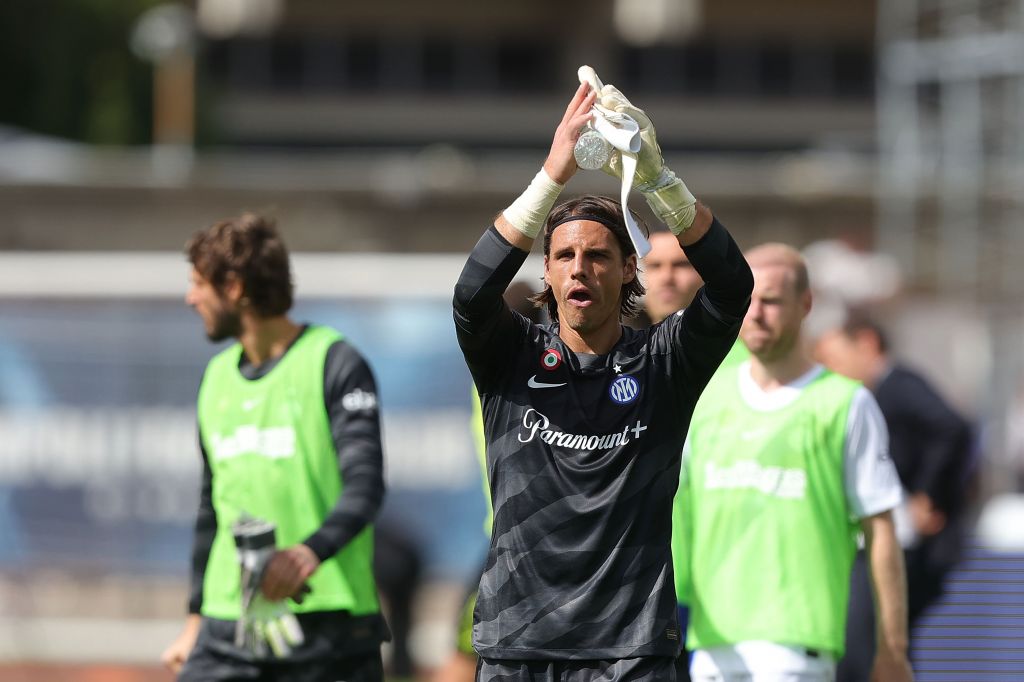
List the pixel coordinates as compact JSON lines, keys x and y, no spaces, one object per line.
{"x":610,"y":224}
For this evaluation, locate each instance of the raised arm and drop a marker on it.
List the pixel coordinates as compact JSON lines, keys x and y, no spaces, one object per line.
{"x":483,"y":322}
{"x":713,"y":321}
{"x":521,"y":222}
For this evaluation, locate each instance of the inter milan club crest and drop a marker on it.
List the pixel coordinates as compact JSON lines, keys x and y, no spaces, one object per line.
{"x":624,"y":389}
{"x":551,"y":359}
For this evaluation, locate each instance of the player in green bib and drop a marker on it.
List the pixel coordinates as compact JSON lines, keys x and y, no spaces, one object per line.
{"x":784,"y":463}
{"x":290,"y":434}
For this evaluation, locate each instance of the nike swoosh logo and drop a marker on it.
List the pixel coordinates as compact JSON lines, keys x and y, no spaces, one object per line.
{"x":533,"y":383}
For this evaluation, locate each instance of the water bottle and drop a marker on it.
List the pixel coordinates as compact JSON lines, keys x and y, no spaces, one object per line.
{"x":592,"y":151}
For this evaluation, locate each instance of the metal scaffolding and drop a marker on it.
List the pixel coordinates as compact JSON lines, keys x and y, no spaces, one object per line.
{"x":951,"y":138}
{"x":951,"y":173}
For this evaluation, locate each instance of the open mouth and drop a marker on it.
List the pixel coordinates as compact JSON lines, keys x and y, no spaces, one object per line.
{"x":580,"y":297}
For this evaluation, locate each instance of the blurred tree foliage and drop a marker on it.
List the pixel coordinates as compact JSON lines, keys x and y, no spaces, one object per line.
{"x":66,"y":69}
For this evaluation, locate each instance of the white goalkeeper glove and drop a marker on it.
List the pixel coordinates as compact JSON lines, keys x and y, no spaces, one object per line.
{"x":612,"y":134}
{"x":270,"y":628}
{"x":264,"y":628}
{"x":665,"y":193}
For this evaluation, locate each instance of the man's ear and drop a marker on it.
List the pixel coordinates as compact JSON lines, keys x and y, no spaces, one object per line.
{"x":233,"y":289}
{"x":629,"y":269}
{"x":546,"y":280}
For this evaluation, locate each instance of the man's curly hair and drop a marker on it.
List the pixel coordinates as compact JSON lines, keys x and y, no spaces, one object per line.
{"x":249,"y":248}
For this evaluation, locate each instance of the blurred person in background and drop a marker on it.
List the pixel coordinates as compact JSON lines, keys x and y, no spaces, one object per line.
{"x":672,"y":284}
{"x":930,"y":444}
{"x":398,"y":570}
{"x":585,"y":419}
{"x":669,"y":278}
{"x":782,"y":454}
{"x":461,"y":664}
{"x":289,"y":432}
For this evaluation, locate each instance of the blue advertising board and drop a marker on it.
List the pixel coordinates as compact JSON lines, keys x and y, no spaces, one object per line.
{"x":99,"y":468}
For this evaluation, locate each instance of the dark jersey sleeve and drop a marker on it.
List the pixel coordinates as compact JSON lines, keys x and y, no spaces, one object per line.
{"x":728,"y":281}
{"x":350,"y":395}
{"x":708,"y":328}
{"x":202,"y":539}
{"x":484,"y":324}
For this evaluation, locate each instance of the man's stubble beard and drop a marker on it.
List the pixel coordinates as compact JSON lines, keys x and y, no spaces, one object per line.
{"x":226,"y":325}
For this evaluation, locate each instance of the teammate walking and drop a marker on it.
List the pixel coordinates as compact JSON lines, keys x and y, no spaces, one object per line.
{"x":781,"y":456}
{"x":585,"y":420}
{"x":289,"y":433}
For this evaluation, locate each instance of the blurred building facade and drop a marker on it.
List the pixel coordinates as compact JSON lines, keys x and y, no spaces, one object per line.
{"x":351,"y":118}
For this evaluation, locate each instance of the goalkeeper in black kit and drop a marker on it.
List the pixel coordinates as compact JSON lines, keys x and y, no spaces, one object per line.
{"x":585,"y":418}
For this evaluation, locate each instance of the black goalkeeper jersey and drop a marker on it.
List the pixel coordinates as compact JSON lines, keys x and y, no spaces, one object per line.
{"x":583,"y":455}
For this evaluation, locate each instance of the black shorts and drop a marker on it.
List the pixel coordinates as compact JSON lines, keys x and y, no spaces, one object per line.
{"x":647,"y":669}
{"x":216,"y":659}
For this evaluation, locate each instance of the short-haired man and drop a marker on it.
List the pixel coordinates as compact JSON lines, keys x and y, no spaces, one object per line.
{"x":290,"y":434}
{"x":782,"y":455}
{"x":669,"y":277}
{"x":585,"y":420}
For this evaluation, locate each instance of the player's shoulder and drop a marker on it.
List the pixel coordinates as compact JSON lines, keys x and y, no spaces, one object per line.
{"x":321,"y":335}
{"x":536,"y":332}
{"x":904,"y":383}
{"x":342,"y":354}
{"x":633,"y":338}
{"x":831,"y":378}
{"x":226,"y":357}
{"x":538,"y":335}
{"x":834,"y":393}
{"x":904,"y":392}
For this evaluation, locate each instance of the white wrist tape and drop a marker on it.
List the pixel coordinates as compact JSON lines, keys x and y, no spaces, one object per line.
{"x":528,"y":213}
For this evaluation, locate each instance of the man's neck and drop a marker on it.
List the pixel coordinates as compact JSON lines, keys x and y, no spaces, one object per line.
{"x":265,"y":338}
{"x":773,"y":374}
{"x":598,"y":342}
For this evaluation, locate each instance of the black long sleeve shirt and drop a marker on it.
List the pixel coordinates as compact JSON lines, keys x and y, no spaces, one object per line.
{"x":583,"y":455}
{"x":929,"y":442}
